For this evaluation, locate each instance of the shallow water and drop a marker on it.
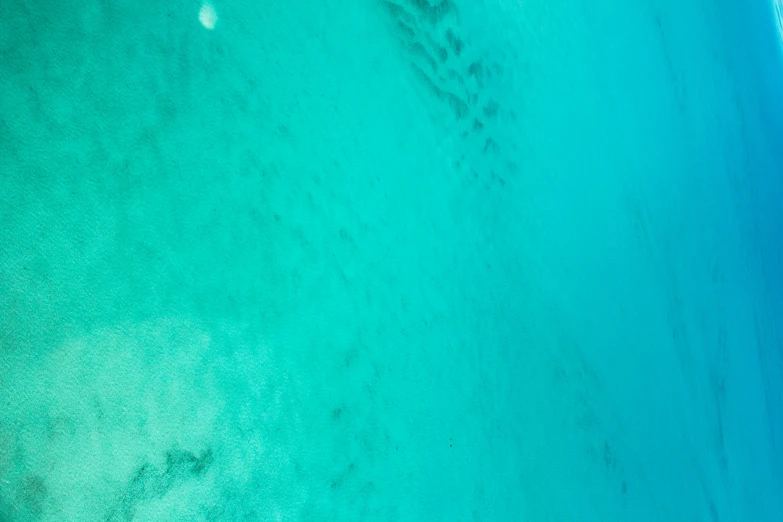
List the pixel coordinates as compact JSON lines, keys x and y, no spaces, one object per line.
{"x":390,"y":260}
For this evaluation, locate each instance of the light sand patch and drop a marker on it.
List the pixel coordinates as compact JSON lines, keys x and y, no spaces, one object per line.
{"x":131,"y":421}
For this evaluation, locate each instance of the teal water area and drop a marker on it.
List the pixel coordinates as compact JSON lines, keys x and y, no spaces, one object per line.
{"x":390,"y":260}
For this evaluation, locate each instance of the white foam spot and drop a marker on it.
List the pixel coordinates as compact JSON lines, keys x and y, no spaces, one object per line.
{"x":207,"y":15}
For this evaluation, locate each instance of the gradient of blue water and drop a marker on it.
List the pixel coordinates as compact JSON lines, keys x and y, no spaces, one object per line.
{"x":321,"y":261}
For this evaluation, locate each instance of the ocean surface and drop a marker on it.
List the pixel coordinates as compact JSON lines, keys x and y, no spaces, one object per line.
{"x":407,"y":260}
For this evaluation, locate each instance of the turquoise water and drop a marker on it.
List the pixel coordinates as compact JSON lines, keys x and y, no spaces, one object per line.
{"x":391,"y":260}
